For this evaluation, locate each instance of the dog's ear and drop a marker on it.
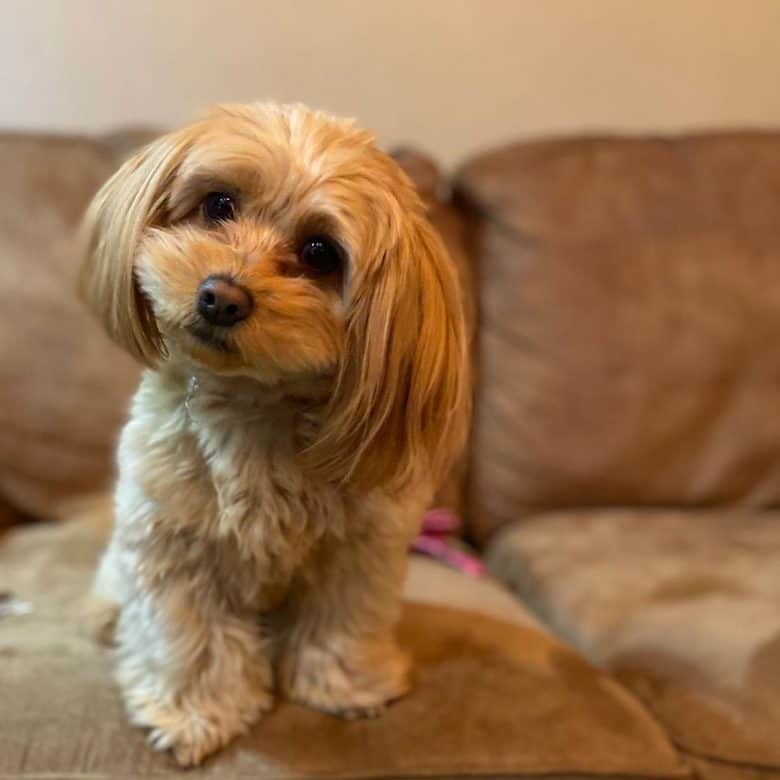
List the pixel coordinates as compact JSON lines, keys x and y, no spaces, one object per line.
{"x":128,"y":204}
{"x":400,"y":408}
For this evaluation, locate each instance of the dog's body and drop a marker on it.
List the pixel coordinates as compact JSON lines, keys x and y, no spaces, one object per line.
{"x":278,"y":456}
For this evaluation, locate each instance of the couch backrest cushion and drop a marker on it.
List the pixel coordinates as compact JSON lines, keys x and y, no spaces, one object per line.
{"x":63,"y":387}
{"x":629,"y":323}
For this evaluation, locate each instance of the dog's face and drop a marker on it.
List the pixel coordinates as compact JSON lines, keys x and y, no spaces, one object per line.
{"x":269,"y":216}
{"x":275,"y":242}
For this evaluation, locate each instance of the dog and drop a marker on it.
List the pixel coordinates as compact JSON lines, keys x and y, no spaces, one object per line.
{"x":305,"y":390}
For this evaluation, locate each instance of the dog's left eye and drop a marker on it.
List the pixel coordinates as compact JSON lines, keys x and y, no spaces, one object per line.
{"x":320,"y":255}
{"x":219,"y":207}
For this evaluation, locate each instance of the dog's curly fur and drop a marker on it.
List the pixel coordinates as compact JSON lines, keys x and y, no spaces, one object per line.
{"x":271,"y":474}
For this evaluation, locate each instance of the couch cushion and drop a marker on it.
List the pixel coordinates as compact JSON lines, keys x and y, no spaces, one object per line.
{"x":683,"y":607}
{"x":629,"y":316}
{"x":63,"y":386}
{"x":494,"y":695}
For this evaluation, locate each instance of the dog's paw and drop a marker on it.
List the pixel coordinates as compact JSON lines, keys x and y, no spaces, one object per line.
{"x":351,"y":685}
{"x":192,"y":734}
{"x":189,"y":743}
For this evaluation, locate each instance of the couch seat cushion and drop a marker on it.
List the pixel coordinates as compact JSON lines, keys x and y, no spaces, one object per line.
{"x":684,"y":607}
{"x":495,"y":695}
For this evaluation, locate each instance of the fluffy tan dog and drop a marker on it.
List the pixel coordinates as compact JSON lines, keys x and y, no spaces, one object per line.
{"x":305,"y":390}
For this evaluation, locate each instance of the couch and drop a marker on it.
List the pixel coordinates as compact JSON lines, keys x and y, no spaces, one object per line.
{"x":623,"y":297}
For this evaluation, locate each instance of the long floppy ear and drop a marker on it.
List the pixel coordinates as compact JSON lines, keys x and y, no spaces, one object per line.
{"x":130,"y":202}
{"x":400,"y":409}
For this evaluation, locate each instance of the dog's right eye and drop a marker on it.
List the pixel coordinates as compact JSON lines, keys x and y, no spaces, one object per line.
{"x":219,"y":207}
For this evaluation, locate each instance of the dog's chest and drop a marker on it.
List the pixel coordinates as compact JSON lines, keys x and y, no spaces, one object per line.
{"x":214,"y":485}
{"x":262,"y":497}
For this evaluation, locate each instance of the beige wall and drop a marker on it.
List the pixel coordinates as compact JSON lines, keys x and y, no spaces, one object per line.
{"x":450,"y":75}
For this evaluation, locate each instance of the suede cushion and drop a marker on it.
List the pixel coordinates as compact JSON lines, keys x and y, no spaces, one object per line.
{"x":492,"y":697}
{"x":629,"y":316}
{"x":683,"y":607}
{"x":63,"y":387}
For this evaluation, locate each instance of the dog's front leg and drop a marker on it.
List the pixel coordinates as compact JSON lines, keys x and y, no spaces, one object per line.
{"x":340,"y":654}
{"x":192,"y":671}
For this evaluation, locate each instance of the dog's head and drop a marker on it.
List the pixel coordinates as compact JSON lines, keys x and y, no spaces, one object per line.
{"x":276,"y":242}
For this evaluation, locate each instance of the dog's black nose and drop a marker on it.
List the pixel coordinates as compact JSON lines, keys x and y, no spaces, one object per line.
{"x":223,"y":302}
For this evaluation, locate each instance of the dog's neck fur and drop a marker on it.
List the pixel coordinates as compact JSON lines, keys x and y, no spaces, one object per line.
{"x":202,"y":392}
{"x":248,"y":389}
{"x":276,"y":420}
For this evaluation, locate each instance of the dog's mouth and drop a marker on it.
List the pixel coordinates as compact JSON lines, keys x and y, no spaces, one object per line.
{"x":208,"y":336}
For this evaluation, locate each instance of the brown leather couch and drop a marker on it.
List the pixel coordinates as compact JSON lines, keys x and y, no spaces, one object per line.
{"x":624,"y":464}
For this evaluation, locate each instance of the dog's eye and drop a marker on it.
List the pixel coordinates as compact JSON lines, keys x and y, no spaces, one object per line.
{"x":320,"y":254}
{"x":219,"y":207}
